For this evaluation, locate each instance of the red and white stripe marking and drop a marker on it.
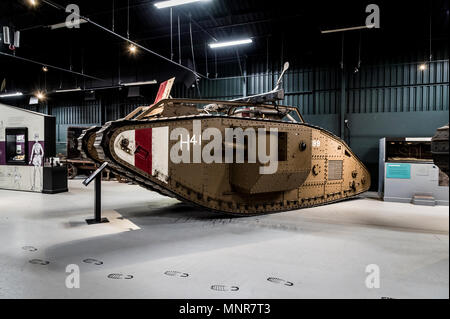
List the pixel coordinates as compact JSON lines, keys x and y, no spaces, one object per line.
{"x":149,"y":150}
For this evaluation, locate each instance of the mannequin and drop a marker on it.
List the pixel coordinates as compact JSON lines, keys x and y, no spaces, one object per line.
{"x":37,"y":155}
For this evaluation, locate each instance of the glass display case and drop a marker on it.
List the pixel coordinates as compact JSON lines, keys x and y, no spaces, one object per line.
{"x":414,"y":150}
{"x":16,"y":146}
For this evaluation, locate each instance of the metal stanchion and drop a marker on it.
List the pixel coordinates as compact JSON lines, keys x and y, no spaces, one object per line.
{"x":97,"y":175}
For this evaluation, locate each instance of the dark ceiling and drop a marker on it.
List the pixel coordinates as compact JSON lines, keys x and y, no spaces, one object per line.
{"x":281,"y":30}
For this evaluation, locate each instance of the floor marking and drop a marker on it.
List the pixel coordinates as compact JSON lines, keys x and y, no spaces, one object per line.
{"x":39,"y":262}
{"x":280,"y":281}
{"x":175,"y":273}
{"x":93,"y":261}
{"x":120,"y":276}
{"x":224,"y":288}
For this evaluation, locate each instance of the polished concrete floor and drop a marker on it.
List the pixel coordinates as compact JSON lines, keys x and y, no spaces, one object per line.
{"x":157,"y":247}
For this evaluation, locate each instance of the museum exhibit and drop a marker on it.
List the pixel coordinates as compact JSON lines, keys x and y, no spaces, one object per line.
{"x":224,"y":149}
{"x":27,"y":162}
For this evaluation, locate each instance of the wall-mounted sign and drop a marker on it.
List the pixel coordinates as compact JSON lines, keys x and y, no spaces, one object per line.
{"x":398,"y":170}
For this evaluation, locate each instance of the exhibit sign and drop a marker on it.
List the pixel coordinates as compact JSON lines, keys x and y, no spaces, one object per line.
{"x":398,"y":170}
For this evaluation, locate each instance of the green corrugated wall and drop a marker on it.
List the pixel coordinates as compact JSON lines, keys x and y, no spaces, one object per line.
{"x":375,"y":88}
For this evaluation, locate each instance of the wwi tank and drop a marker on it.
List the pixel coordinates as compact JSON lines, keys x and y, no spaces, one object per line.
{"x":244,"y":157}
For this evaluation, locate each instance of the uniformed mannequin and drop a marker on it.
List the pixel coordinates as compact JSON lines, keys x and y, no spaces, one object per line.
{"x":37,"y":155}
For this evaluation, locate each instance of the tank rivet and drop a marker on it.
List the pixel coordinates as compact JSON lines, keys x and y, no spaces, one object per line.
{"x":302,"y":146}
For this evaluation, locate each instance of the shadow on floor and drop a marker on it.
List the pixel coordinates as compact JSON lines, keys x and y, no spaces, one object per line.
{"x":177,"y":210}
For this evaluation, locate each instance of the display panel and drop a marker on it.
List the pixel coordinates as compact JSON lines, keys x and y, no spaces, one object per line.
{"x":16,"y":146}
{"x":398,"y":170}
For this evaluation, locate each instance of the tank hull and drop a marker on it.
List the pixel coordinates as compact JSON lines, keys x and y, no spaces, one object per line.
{"x":313,"y":166}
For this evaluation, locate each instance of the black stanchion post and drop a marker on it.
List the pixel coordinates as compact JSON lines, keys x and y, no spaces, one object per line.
{"x":98,"y":195}
{"x":98,"y":198}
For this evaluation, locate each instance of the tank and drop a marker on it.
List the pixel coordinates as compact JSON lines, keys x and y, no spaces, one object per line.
{"x":243,"y":157}
{"x":439,"y":148}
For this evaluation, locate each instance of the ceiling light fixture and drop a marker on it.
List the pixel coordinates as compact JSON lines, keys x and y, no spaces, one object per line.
{"x":229,"y":43}
{"x":132,"y":49}
{"x":68,"y":90}
{"x":139,"y":83}
{"x":40,"y":96}
{"x":11,"y":94}
{"x":173,"y":3}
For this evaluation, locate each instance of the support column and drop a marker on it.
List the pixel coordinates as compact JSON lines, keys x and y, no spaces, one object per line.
{"x":244,"y":82}
{"x":343,"y":109}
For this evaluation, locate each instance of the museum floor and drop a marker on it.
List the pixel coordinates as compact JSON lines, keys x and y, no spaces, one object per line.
{"x":157,"y":247}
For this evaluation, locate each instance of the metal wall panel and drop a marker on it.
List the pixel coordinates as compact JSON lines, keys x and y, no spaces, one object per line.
{"x":313,"y":91}
{"x":75,"y":113}
{"x":397,"y":87}
{"x":118,"y":108}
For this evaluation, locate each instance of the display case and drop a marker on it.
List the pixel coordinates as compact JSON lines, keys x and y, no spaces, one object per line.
{"x":407,"y":172}
{"x":27,"y":152}
{"x":16,"y":146}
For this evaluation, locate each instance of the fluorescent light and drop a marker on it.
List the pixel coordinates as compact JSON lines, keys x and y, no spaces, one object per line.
{"x":12,"y":94}
{"x":63,"y":25}
{"x":229,"y":43}
{"x":139,"y":83}
{"x":173,"y":3}
{"x":68,"y":90}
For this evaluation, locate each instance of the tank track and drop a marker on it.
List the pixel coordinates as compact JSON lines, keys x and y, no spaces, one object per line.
{"x":83,"y":142}
{"x":102,"y":138}
{"x":83,"y":147}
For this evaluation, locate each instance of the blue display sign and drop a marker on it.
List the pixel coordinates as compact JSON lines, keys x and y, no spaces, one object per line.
{"x":398,"y":170}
